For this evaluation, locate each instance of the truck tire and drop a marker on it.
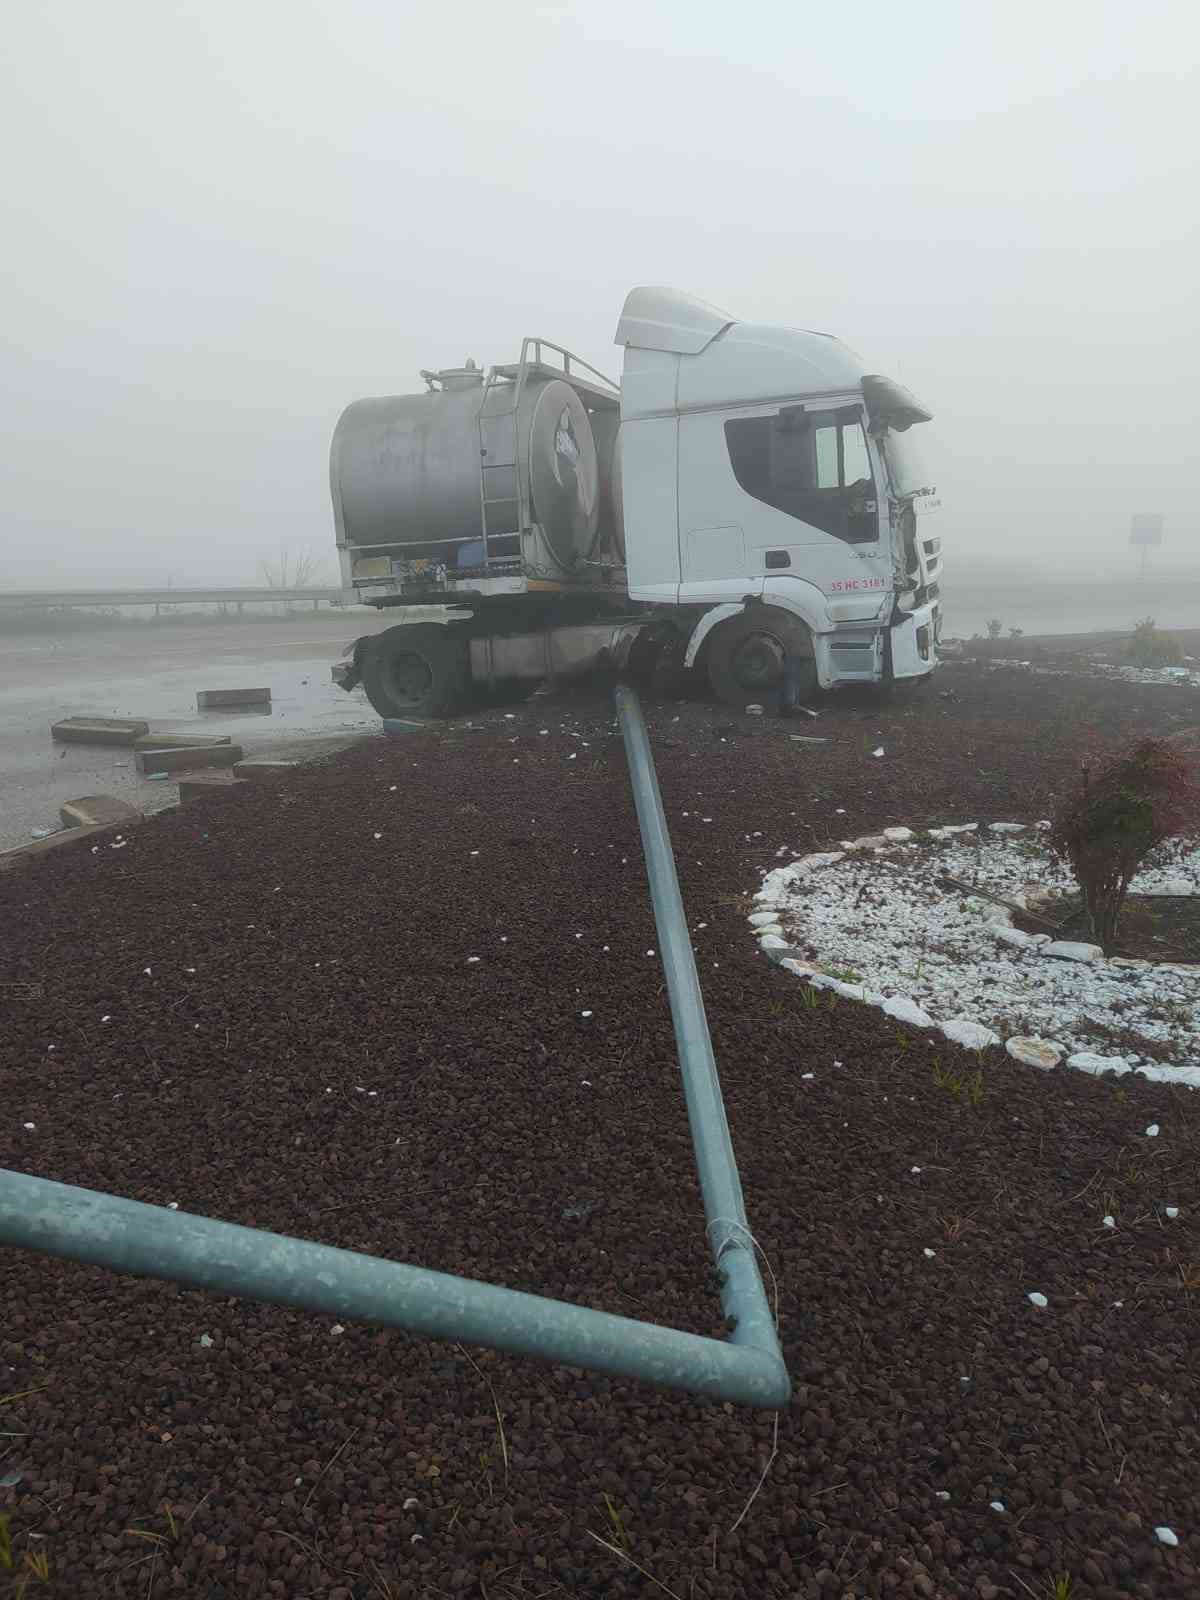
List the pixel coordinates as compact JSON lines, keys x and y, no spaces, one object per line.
{"x":416,"y":670}
{"x":745,"y":656}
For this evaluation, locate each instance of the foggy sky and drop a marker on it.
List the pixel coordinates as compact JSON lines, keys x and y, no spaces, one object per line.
{"x":223,"y":222}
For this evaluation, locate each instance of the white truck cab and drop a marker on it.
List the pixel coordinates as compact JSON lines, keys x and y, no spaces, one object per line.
{"x":746,"y":496}
{"x":768,"y":462}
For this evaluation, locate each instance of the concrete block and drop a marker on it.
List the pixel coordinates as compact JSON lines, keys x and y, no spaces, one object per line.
{"x":187,"y":758}
{"x":98,"y":730}
{"x":263,"y":767}
{"x":203,"y":785}
{"x":94,"y":810}
{"x":25,"y":854}
{"x":180,"y":741}
{"x":211,"y":699}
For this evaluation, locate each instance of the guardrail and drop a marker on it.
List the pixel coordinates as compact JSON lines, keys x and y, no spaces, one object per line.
{"x":152,"y":1241}
{"x":32,"y":599}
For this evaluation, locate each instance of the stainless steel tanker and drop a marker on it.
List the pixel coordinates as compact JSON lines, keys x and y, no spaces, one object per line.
{"x":478,"y":477}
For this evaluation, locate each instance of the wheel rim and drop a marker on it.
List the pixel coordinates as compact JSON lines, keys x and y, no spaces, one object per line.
{"x":758,"y":662}
{"x":410,"y":678}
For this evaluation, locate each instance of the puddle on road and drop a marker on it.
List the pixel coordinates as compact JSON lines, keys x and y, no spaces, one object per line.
{"x":37,"y":776}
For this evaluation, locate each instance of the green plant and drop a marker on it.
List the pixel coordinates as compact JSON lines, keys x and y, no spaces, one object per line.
{"x":845,"y":974}
{"x":1117,"y":815}
{"x":1150,"y":648}
{"x":618,"y":1527}
{"x":34,"y":1566}
{"x":962,"y":1085}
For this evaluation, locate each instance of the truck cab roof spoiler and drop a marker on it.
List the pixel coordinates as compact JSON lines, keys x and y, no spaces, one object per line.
{"x":889,"y":405}
{"x":665,"y":319}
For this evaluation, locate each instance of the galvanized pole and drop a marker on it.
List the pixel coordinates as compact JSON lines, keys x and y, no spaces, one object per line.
{"x":742,"y":1291}
{"x":122,"y":1235}
{"x":153,"y":1241}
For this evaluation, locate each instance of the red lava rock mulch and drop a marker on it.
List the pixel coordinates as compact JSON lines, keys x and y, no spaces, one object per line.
{"x":311,"y":1052}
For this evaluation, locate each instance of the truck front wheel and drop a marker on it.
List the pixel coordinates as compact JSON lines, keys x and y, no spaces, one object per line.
{"x":745,"y":656}
{"x":416,"y":670}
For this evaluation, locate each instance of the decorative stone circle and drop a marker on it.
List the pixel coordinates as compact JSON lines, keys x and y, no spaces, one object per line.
{"x":772,"y":911}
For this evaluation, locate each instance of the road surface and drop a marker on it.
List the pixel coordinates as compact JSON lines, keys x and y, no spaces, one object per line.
{"x":154,"y":673}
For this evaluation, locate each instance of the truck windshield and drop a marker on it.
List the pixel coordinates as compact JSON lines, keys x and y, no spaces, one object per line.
{"x":906,"y":468}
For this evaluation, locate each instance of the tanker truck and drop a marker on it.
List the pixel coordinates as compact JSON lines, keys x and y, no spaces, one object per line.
{"x":747,"y":494}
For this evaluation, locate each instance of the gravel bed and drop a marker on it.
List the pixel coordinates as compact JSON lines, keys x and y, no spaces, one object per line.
{"x":268,"y":1011}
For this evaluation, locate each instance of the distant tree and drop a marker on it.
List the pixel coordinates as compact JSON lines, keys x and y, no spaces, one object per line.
{"x":291,"y":569}
{"x":1119,"y":813}
{"x":1016,"y":633}
{"x":1150,"y":648}
{"x":995,"y":628}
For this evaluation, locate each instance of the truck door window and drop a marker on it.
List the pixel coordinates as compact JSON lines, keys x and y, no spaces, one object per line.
{"x":813,"y":465}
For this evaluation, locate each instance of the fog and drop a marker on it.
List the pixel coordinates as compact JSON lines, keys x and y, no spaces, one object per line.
{"x":224,"y":222}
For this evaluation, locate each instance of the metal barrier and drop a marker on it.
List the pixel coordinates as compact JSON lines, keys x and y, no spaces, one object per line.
{"x":152,"y":1241}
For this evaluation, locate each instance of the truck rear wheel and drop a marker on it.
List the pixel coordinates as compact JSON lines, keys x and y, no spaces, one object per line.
{"x":416,"y":670}
{"x":745,"y":656}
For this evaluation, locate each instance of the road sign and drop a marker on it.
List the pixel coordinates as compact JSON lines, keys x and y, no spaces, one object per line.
{"x":1146,"y":529}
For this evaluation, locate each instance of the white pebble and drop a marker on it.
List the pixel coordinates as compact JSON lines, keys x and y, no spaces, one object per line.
{"x":585,"y":1013}
{"x":411,"y":1504}
{"x":878,"y":752}
{"x":204,"y":1341}
{"x":941,"y":1494}
{"x":1152,"y":1131}
{"x":806,"y":1074}
{"x":1039,"y":1300}
{"x":1166,"y":1536}
{"x":29,"y":1126}
{"x":914,"y":1169}
{"x":470,"y":959}
{"x":336,"y":1329}
{"x":1172,"y":1212}
{"x":929,"y":1253}
{"x":172,"y":1205}
{"x":1110,"y":1222}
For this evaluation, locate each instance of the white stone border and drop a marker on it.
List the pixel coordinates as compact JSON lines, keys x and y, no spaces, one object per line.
{"x":962,"y":1031}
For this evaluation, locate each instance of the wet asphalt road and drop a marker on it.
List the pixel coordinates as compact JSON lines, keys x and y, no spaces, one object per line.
{"x":153,"y":672}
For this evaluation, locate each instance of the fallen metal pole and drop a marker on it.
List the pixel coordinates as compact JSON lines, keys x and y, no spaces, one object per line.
{"x":122,"y":1235}
{"x":742,"y":1293}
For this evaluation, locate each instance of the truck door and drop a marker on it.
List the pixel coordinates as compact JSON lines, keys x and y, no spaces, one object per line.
{"x":801,"y":483}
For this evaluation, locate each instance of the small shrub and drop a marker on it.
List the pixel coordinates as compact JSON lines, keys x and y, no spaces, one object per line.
{"x":1150,"y":648}
{"x":1119,"y":813}
{"x":995,"y":628}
